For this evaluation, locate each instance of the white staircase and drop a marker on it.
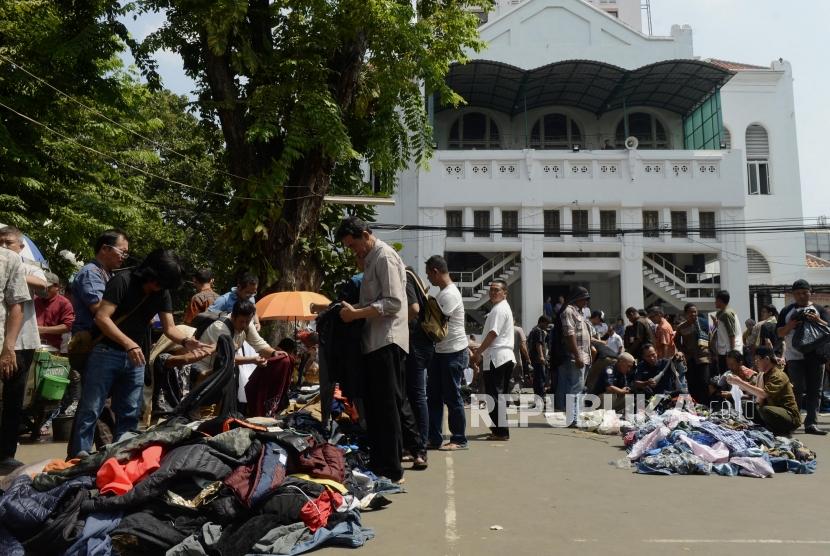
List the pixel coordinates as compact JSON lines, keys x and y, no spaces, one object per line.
{"x":676,"y":287}
{"x":474,"y":284}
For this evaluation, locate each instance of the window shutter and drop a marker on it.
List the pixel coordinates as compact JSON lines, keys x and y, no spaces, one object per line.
{"x":757,"y":143}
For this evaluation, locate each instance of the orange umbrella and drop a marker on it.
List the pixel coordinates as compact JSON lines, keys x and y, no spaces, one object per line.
{"x":289,"y":305}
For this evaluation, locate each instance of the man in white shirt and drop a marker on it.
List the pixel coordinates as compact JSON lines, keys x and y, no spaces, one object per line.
{"x":241,"y":330}
{"x":497,"y":359}
{"x":447,"y":366}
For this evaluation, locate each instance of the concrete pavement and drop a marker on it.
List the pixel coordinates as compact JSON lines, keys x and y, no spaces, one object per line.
{"x":553,"y":491}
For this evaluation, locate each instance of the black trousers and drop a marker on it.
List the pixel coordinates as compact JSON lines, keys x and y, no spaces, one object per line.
{"x":496,"y":384}
{"x":14,"y":390}
{"x":697,"y":377}
{"x":806,"y":374}
{"x":384,"y":402}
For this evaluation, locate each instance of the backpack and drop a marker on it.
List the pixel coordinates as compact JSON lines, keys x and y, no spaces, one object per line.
{"x":202,"y":321}
{"x":557,"y":354}
{"x":432,"y":320}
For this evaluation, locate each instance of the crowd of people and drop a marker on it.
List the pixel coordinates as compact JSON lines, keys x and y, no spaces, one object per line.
{"x":413,"y":353}
{"x":698,"y":356}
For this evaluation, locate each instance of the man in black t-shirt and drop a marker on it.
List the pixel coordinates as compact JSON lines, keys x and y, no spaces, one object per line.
{"x":122,"y":329}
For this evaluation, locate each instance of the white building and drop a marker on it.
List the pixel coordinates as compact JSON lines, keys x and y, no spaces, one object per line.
{"x":537,"y":182}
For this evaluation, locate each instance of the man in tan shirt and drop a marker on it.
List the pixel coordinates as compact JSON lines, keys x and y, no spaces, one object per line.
{"x":385,"y":342}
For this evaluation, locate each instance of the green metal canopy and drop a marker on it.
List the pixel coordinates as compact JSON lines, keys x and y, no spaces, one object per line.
{"x":675,"y":85}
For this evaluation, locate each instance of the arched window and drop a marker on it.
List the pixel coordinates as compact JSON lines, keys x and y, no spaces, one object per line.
{"x":555,"y":131}
{"x":474,"y":131}
{"x":646,"y":128}
{"x":756,"y":263}
{"x":757,"y":160}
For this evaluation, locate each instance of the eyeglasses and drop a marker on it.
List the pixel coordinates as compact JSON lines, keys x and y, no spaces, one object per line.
{"x":121,"y":253}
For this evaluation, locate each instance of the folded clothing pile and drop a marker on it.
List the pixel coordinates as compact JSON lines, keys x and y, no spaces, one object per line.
{"x":682,"y":443}
{"x":228,"y":487}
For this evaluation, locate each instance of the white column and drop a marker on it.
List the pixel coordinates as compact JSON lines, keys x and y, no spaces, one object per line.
{"x":734,"y":275}
{"x":496,"y":223}
{"x":531,"y":268}
{"x":694,"y":221}
{"x":665,"y":220}
{"x":468,"y":220}
{"x":595,"y":222}
{"x":631,"y":260}
{"x":567,"y":222}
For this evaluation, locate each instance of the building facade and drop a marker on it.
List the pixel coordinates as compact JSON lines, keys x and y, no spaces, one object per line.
{"x":589,"y":153}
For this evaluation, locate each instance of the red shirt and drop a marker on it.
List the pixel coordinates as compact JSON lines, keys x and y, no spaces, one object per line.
{"x":53,"y":312}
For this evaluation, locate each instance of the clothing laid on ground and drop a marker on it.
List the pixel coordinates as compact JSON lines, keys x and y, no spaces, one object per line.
{"x":267,"y":389}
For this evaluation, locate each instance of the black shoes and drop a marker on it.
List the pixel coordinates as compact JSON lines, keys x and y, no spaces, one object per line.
{"x":813,"y":429}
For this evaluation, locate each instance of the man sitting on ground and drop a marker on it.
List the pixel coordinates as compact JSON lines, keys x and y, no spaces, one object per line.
{"x":241,"y":329}
{"x":617,"y":380}
{"x":654,"y":375}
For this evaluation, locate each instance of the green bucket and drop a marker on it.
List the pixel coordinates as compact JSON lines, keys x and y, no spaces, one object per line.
{"x":53,"y":387}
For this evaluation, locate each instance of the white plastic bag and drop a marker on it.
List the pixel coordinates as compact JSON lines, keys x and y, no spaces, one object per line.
{"x":610,"y":423}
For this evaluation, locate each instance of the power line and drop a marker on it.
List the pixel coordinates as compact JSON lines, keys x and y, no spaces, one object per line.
{"x":118,"y":163}
{"x":98,"y":113}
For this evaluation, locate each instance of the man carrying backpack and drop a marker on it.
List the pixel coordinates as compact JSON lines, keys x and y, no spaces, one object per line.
{"x":448,"y":363}
{"x":421,"y":351}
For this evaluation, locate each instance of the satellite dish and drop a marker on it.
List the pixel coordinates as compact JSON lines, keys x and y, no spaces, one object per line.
{"x":632,"y":143}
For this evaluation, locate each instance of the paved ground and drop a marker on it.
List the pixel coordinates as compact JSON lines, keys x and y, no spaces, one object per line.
{"x":554,"y":492}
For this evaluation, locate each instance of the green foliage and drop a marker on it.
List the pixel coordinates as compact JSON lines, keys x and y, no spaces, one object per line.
{"x":305,"y":89}
{"x":54,"y":187}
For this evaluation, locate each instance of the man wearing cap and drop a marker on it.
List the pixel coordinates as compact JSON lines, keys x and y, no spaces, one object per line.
{"x":55,"y":313}
{"x":618,"y":381}
{"x":576,"y":334}
{"x":804,"y":369}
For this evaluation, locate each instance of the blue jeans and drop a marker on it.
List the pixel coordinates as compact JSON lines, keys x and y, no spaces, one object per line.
{"x":108,"y":372}
{"x":444,"y":388}
{"x":417,"y":363}
{"x":571,"y":381}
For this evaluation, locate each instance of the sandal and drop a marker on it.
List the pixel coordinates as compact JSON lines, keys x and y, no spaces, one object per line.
{"x":452,"y":447}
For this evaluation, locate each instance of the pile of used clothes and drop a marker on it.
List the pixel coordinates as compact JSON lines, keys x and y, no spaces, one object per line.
{"x":224,"y":486}
{"x":682,"y":443}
